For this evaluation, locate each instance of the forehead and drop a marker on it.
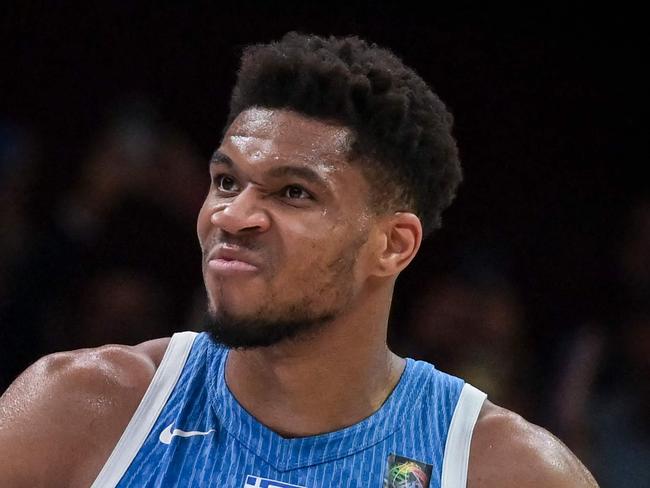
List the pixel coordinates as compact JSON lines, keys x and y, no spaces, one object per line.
{"x":260,"y":133}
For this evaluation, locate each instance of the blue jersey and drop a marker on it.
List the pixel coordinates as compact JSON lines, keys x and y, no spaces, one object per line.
{"x":189,"y":430}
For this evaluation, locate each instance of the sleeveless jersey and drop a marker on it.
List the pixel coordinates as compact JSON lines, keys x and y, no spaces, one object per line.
{"x":189,"y":430}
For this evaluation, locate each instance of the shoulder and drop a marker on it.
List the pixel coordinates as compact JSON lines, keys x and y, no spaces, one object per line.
{"x":62,"y":417}
{"x":507,"y":451}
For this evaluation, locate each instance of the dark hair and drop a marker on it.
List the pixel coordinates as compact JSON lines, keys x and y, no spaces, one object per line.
{"x":402,"y":129}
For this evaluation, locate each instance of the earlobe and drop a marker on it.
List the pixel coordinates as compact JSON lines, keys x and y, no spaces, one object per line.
{"x":401,"y":239}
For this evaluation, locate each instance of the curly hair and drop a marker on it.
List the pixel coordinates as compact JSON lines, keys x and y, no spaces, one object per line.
{"x":401,"y":129}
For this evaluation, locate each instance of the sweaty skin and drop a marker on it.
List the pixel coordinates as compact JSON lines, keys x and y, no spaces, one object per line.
{"x":60,"y":420}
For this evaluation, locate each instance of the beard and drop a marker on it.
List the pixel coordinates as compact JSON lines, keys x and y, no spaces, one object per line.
{"x":248,"y":333}
{"x":277,"y":322}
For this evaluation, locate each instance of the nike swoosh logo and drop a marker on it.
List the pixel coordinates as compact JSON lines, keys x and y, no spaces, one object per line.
{"x":168,"y":433}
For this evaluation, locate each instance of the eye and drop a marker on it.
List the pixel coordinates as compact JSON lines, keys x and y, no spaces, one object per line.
{"x":226,"y":183}
{"x":296,"y":192}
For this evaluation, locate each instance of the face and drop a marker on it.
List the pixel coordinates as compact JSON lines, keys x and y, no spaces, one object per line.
{"x":283,"y":228}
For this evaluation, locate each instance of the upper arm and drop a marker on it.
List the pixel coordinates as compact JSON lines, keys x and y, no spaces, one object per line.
{"x":61,"y":418}
{"x":509,"y":452}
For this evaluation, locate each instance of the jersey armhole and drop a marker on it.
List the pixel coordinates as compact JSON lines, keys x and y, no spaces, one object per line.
{"x":152,"y":403}
{"x":456,"y":458}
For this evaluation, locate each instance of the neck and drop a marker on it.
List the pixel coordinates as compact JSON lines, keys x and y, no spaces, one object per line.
{"x":328,"y":381}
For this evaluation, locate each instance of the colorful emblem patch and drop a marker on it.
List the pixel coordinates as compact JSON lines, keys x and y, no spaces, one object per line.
{"x":403,"y":472}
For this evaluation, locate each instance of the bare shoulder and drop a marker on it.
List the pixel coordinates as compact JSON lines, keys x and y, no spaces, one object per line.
{"x":61,"y":418}
{"x":507,"y":451}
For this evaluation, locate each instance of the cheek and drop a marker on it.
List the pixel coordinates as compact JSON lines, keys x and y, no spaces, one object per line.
{"x":203,"y":223}
{"x":316,"y":228}
{"x":312,"y":236}
{"x":314,"y":250}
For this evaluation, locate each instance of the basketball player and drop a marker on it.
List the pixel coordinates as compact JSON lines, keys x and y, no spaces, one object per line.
{"x":337,"y":160}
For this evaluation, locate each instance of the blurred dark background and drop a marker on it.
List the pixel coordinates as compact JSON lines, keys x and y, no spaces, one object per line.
{"x":537,"y":287}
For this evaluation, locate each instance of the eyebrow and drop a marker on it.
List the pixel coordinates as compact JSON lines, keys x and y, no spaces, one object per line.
{"x":219,"y":157}
{"x":302,"y":172}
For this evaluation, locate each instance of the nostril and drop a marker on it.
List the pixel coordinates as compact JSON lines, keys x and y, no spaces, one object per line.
{"x":240,"y":216}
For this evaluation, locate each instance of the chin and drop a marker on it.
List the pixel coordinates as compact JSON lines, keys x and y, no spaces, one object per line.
{"x":236,"y":297}
{"x":248,"y":332}
{"x":229,"y":298}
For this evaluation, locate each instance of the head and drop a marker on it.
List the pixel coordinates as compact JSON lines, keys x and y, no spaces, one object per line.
{"x":336,"y":161}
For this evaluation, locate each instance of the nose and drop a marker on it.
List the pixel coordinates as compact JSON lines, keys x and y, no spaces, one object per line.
{"x":242,"y":214}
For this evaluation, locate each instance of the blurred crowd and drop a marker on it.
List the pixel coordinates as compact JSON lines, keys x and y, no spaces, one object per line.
{"x":112,"y":257}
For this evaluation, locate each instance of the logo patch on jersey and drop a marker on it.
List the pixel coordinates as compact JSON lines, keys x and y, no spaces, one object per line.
{"x":169,"y":432}
{"x":403,"y":472}
{"x":257,"y":482}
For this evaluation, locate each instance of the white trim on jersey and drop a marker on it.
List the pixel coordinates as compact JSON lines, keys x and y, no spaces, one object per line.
{"x":145,"y":416}
{"x":459,"y":438}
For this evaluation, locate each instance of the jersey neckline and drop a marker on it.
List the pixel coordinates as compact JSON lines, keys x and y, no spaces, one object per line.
{"x":285,"y":454}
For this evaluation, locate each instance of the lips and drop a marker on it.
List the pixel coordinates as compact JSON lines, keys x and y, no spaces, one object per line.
{"x":228,"y":260}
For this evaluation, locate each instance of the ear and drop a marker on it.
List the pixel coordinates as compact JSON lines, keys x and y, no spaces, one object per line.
{"x":399,"y":242}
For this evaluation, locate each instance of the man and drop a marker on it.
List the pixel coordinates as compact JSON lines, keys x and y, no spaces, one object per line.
{"x":336,"y":161}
